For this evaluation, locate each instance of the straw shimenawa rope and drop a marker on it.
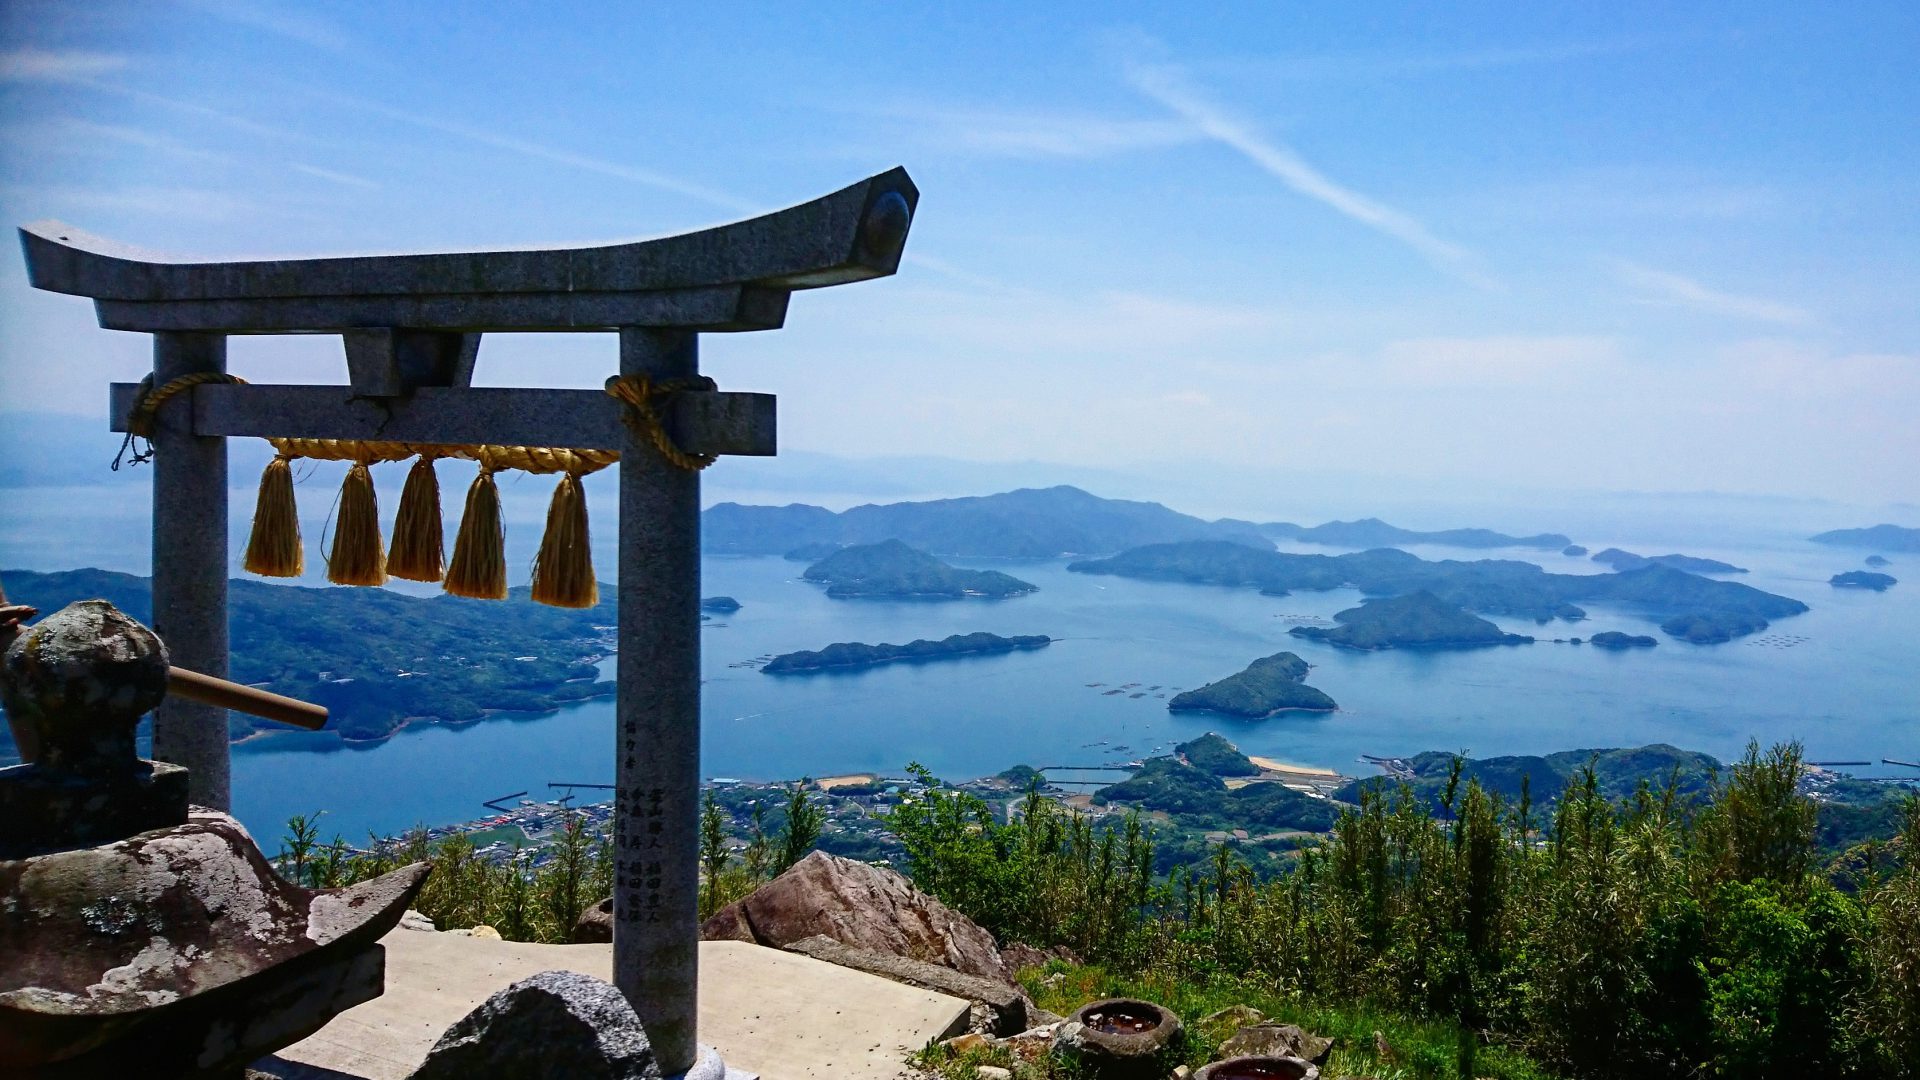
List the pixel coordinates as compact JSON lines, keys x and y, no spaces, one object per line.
{"x":562,"y":572}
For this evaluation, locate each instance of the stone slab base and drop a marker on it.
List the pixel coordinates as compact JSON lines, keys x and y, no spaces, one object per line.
{"x":767,"y":1013}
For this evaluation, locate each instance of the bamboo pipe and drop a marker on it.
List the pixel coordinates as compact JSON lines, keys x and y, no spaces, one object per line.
{"x":192,"y":685}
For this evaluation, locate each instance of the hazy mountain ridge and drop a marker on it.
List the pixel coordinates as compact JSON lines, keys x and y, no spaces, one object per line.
{"x":1883,"y":537}
{"x":1374,"y":533}
{"x":1026,"y":523}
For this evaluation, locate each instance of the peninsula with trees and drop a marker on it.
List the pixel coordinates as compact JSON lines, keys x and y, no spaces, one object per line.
{"x":845,"y":655}
{"x":378,"y":659}
{"x":1270,"y":685}
{"x":890,"y":570}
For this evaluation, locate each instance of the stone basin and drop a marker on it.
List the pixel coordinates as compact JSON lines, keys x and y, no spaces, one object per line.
{"x":1119,"y":1037}
{"x":1259,"y":1068}
{"x":178,"y":950}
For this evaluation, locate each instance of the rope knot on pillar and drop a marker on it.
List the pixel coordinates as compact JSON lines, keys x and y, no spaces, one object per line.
{"x":146,"y":407}
{"x":642,"y":415}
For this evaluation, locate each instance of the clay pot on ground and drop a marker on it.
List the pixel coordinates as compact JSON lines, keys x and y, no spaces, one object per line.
{"x":1259,"y":1068}
{"x":1119,"y":1037}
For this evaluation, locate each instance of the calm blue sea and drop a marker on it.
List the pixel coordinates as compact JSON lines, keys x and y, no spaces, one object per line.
{"x":1841,"y":678}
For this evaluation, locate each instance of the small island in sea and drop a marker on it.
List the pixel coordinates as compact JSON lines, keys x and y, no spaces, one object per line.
{"x":1878,"y":561}
{"x":1627,"y":560}
{"x":1417,"y":620}
{"x":1863,"y":579}
{"x":855,"y":654}
{"x":1614,"y":639}
{"x":890,"y":570}
{"x":1268,"y":686}
{"x":1573,"y":550}
{"x":1713,"y":628}
{"x":1882,"y":537}
{"x":723,"y":605}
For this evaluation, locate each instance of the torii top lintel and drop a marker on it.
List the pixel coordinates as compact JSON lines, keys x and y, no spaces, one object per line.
{"x":729,"y":277}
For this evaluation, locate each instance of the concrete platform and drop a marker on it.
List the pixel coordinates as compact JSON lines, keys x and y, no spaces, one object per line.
{"x":777,"y":1014}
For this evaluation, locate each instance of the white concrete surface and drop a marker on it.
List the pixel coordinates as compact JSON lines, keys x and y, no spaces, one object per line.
{"x":777,"y":1014}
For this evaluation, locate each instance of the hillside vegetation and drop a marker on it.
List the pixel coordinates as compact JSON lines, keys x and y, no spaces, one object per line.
{"x":1649,"y":935}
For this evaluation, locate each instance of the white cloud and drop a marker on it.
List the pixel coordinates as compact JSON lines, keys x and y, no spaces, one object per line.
{"x":296,"y":25}
{"x":1499,"y":359}
{"x":1042,"y":134}
{"x":343,"y":179}
{"x":164,"y":202}
{"x":648,"y":177}
{"x":29,"y":64}
{"x":1167,"y":86}
{"x":1669,"y":289}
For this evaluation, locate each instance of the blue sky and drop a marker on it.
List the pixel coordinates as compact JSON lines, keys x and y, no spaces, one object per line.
{"x":1618,"y":247}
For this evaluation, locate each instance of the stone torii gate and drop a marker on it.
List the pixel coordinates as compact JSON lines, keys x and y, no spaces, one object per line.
{"x":412,"y":326}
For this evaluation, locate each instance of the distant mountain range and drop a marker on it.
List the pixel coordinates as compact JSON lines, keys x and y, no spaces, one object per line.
{"x":1373,"y":533}
{"x":1881,"y":537}
{"x":1028,"y":523}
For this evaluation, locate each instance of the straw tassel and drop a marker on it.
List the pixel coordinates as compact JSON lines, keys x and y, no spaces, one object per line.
{"x":563,"y":571}
{"x":358,"y":557}
{"x":273,"y":550}
{"x":479,"y":567}
{"x":419,"y":539}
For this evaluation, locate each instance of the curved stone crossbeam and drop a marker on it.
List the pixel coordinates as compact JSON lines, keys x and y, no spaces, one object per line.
{"x":729,"y":277}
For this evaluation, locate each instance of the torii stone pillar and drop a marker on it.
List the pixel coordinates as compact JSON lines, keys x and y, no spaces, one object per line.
{"x":411,"y":326}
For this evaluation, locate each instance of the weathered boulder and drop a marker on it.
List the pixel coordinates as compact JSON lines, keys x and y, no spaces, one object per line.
{"x":998,"y":1008}
{"x":1019,"y":956}
{"x":1277,"y":1040}
{"x":1220,"y":1026}
{"x":859,"y":905}
{"x":595,"y":925}
{"x":557,"y":1025}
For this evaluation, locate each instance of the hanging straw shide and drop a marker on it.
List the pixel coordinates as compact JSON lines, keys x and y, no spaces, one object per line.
{"x":479,"y":566}
{"x":563,"y":571}
{"x":358,"y":556}
{"x":419,"y":538}
{"x":273,"y":548}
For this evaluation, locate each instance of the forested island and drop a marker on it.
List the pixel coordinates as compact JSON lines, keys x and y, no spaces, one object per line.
{"x":890,"y":570}
{"x":855,"y":654}
{"x":1614,"y":639}
{"x":1269,"y":685}
{"x":1713,"y":629}
{"x":378,"y":659}
{"x":1418,"y":620}
{"x":1877,"y":561}
{"x":1491,"y":586}
{"x":1627,"y":560}
{"x":1863,"y":579}
{"x":1881,"y":537}
{"x":1372,"y":532}
{"x":721,"y":605}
